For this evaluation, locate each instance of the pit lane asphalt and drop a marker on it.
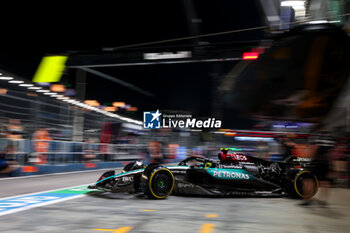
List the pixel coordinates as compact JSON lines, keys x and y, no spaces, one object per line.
{"x":105,"y":212}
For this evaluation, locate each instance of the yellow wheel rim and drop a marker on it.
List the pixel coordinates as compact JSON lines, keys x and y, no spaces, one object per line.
{"x":150,"y":183}
{"x":295,"y":184}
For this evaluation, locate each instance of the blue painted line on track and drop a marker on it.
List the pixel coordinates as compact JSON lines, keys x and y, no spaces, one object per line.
{"x":19,"y":203}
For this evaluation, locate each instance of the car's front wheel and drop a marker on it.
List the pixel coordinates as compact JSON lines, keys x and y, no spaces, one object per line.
{"x":157,"y":182}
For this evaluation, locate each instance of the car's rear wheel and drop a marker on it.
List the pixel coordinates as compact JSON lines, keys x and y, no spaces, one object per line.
{"x":305,"y":185}
{"x":157,"y":182}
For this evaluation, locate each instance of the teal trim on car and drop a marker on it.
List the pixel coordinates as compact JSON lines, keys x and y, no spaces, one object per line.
{"x":121,"y":174}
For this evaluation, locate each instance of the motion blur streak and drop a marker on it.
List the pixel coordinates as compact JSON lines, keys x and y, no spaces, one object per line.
{"x":119,"y":230}
{"x":211,"y":215}
{"x":207,"y":228}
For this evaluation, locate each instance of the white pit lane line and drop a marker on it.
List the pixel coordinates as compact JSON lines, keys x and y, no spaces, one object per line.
{"x":17,"y":203}
{"x":14,"y":204}
{"x":59,"y":173}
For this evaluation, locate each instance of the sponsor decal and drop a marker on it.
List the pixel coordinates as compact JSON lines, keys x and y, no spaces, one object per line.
{"x":127,"y":178}
{"x":90,"y":165}
{"x":178,"y":171}
{"x":29,"y":169}
{"x":155,"y":120}
{"x":229,"y":174}
{"x":237,"y":193}
{"x":301,"y":159}
{"x":229,"y":166}
{"x":239,"y":157}
{"x":185,"y":185}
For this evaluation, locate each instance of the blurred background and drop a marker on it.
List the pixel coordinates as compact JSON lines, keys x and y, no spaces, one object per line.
{"x":268,"y":69}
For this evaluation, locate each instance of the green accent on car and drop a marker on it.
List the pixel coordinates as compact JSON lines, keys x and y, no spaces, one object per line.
{"x":229,"y":174}
{"x":208,"y":165}
{"x":161,"y":183}
{"x":75,"y":190}
{"x":234,"y":149}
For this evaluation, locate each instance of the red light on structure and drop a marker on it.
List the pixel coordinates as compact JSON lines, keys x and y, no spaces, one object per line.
{"x":250,"y":56}
{"x":258,"y":50}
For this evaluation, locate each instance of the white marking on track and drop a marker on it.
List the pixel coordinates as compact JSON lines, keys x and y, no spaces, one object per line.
{"x":54,"y":174}
{"x":41,"y":204}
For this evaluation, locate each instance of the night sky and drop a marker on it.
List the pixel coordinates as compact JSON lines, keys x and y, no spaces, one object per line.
{"x":29,"y":32}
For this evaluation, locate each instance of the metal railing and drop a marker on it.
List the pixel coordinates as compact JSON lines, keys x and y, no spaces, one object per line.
{"x":62,"y":152}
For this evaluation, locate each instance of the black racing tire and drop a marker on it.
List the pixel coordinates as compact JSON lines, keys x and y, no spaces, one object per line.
{"x":150,"y":168}
{"x":157,"y":182}
{"x":298,"y":191}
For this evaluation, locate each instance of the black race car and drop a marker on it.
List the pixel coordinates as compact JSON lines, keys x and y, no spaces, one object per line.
{"x":234,"y":174}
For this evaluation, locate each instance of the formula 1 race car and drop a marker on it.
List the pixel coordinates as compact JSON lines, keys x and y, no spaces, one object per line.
{"x":234,"y":174}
